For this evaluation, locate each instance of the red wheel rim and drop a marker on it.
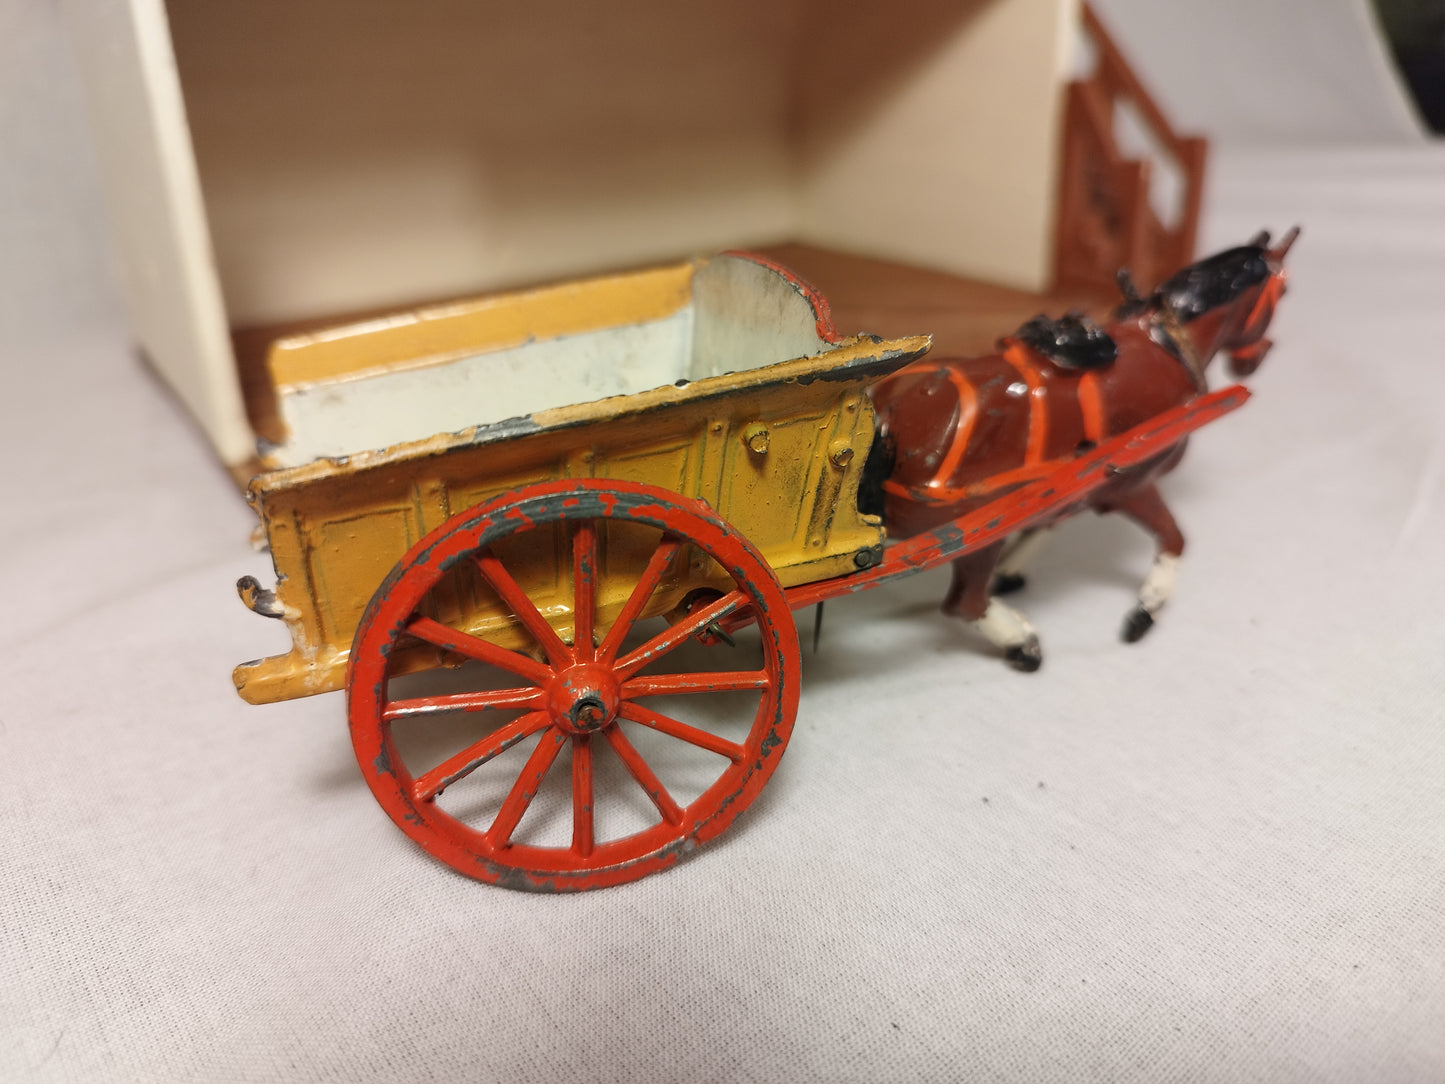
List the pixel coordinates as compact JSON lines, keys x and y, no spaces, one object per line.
{"x":573,"y":695}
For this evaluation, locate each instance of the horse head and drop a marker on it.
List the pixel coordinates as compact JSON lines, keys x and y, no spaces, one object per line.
{"x":1226,"y":301}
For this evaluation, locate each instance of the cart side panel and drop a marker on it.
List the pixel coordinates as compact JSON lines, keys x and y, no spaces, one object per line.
{"x":334,"y":539}
{"x":345,"y":551}
{"x":778,"y":457}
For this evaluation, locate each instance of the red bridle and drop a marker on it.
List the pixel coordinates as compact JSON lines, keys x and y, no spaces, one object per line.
{"x":1260,"y":315}
{"x":1246,"y":359}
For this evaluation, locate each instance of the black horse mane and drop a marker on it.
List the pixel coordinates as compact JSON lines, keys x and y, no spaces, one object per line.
{"x":1213,"y":281}
{"x":1071,"y":342}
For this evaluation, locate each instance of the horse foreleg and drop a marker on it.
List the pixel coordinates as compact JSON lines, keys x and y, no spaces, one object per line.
{"x":968,"y":598}
{"x":1146,"y":507}
{"x":1018,"y":554}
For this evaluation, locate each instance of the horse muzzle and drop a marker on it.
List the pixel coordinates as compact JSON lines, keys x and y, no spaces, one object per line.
{"x":1245,"y":360}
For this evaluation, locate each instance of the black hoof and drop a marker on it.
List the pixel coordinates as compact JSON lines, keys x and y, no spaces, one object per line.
{"x":1006,"y":583}
{"x":1026,"y":657}
{"x":1137,"y":624}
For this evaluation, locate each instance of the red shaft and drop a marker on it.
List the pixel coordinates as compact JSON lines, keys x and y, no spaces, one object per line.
{"x":1024,"y":506}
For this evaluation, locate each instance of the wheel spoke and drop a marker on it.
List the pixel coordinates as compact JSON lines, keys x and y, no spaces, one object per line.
{"x":584,"y":588}
{"x":679,"y":633}
{"x":526,"y":612}
{"x":582,"y":794}
{"x":560,"y":582}
{"x":473,"y":647}
{"x":672,"y":684}
{"x":432,"y":783}
{"x":528,"y":697}
{"x":657,"y":567}
{"x":678,"y":729}
{"x":670,"y":810}
{"x":524,"y":789}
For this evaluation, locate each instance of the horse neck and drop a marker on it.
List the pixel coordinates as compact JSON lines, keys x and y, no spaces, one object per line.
{"x":1213,"y":331}
{"x":1147,"y":377}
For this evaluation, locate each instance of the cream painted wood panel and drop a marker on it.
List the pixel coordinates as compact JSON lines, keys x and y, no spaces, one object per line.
{"x":167,"y":271}
{"x":364,"y":154}
{"x":941,"y":147}
{"x":360,"y":153}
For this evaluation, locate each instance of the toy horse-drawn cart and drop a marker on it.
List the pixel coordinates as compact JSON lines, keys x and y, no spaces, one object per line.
{"x":561,"y":584}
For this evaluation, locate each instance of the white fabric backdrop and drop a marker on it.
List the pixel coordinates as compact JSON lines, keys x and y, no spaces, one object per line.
{"x":1216,"y":855}
{"x":1267,"y":72}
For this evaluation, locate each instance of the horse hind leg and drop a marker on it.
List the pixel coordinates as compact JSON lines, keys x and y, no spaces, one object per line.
{"x":968,"y":598}
{"x":1147,"y":508}
{"x":1018,"y":553}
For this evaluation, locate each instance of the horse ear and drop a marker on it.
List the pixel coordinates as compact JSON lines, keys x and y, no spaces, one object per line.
{"x":1260,"y":240}
{"x":1278,"y":253}
{"x":1127,"y":287}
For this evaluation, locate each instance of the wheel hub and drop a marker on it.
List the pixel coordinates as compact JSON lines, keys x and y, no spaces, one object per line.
{"x":584,"y":698}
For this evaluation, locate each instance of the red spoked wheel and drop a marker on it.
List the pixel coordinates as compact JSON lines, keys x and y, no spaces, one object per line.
{"x":624,"y":704}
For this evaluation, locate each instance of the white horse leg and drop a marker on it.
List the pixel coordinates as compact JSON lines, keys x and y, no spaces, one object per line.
{"x":1154,"y":592}
{"x":1003,"y":626}
{"x":1146,"y":507}
{"x":1020,"y":552}
{"x":1006,"y":628}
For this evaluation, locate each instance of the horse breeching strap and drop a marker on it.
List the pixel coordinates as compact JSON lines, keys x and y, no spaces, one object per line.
{"x":1023,"y":507}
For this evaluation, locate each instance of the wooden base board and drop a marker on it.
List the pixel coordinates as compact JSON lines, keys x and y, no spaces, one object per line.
{"x":964,"y":316}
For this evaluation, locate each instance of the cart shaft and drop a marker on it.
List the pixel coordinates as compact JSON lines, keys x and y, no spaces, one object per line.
{"x":1023,"y":507}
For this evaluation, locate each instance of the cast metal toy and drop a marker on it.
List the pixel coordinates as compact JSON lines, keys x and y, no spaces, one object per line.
{"x":555,"y":585}
{"x":957,"y":433}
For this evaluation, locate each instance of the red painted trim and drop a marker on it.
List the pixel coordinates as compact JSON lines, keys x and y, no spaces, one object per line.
{"x":1091,"y":406}
{"x":963,"y":432}
{"x":822,"y":311}
{"x":1257,"y":322}
{"x":940,"y":494}
{"x":1026,"y":506}
{"x":1017,"y":355}
{"x":576,"y":693}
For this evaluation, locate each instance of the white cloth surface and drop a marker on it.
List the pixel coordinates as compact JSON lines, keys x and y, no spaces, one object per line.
{"x":1216,"y":855}
{"x":1267,"y":72}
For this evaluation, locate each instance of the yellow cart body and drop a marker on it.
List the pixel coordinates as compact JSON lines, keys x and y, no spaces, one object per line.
{"x":741,"y":394}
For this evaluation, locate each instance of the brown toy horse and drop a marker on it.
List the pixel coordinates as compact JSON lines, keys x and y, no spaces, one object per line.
{"x":955,"y":433}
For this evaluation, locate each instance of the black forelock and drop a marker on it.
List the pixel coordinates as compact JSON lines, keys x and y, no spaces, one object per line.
{"x":1214,"y":281}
